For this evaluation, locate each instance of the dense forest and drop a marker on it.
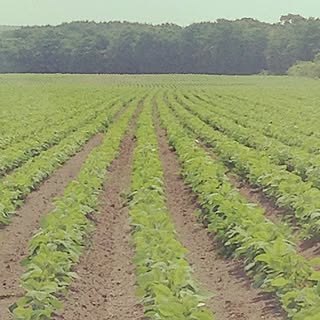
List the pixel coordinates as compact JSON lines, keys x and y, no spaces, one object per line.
{"x":244,"y":46}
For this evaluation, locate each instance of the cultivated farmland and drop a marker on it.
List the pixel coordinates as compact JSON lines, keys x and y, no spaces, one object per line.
{"x":159,"y":197}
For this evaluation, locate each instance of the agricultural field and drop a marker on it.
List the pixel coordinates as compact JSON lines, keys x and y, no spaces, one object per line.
{"x":180,"y":197}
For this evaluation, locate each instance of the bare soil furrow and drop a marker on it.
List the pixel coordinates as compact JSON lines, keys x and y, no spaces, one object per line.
{"x":307,"y":248}
{"x":14,"y":238}
{"x":234,"y":298}
{"x":252,"y":194}
{"x":106,"y":287}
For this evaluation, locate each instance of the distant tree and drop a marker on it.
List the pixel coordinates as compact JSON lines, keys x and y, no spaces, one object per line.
{"x":296,"y":38}
{"x":243,"y":46}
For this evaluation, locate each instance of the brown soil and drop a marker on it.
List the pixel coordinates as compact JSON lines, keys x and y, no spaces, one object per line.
{"x":256,"y":196}
{"x":234,"y":298}
{"x":252,"y":194}
{"x":310,"y":249}
{"x":14,"y":238}
{"x":307,"y":248}
{"x":106,"y":288}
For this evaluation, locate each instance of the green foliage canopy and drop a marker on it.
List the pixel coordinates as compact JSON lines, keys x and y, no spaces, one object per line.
{"x":244,"y":46}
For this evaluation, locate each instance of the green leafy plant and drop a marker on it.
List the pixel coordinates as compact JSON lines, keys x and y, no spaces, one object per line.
{"x":286,"y":188}
{"x":164,"y":276}
{"x":269,"y":255}
{"x":61,"y":239}
{"x":16,"y":186}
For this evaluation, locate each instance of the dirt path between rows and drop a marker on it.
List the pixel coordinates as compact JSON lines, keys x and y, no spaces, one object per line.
{"x":106,"y":288}
{"x":309,"y":249}
{"x":15,"y":237}
{"x":233,"y":296}
{"x":256,"y":196}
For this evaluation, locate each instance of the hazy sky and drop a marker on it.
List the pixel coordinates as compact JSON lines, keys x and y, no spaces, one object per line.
{"x":24,"y":12}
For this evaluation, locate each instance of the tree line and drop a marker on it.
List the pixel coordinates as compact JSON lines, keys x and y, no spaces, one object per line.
{"x":243,"y":46}
{"x":310,"y":69}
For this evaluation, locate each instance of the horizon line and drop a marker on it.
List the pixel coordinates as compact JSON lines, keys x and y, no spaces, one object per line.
{"x":148,"y":23}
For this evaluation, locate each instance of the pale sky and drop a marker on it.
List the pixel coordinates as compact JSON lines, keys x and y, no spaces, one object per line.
{"x":183,"y":12}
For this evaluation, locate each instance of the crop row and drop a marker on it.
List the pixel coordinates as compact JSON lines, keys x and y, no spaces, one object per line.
{"x":272,"y":110}
{"x":287,"y":125}
{"x":287,"y":188}
{"x":296,"y":160}
{"x":61,"y":239}
{"x":244,"y":231}
{"x":16,"y":186}
{"x":163,"y":274}
{"x":28,"y":112}
{"x":31,"y":146}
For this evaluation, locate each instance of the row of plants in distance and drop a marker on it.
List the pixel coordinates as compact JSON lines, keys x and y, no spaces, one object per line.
{"x":164,"y":276}
{"x":286,"y":188}
{"x":29,"y":110}
{"x":278,"y":121}
{"x":16,"y":186}
{"x":296,"y":160}
{"x":242,"y":228}
{"x":277,"y":114}
{"x":61,"y":239}
{"x":50,"y":135}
